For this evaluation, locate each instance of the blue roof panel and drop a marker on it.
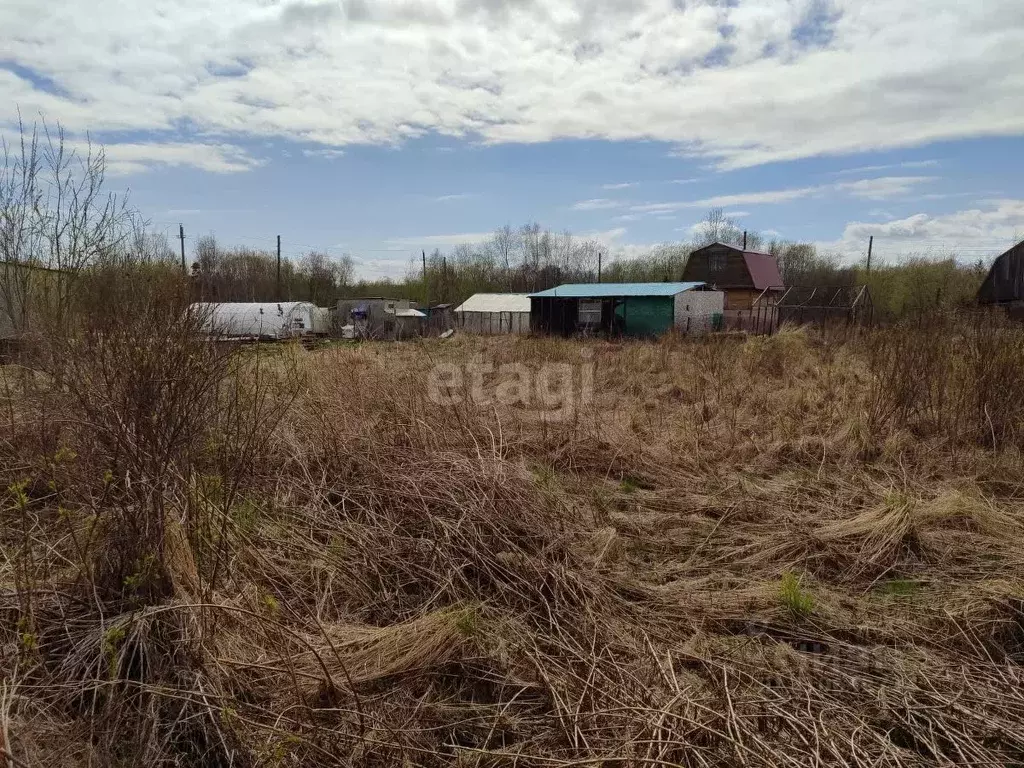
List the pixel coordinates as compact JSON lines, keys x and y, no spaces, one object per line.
{"x":606,"y":290}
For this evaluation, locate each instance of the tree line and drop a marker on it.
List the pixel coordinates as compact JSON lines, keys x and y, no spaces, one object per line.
{"x":56,"y":215}
{"x":529,"y":258}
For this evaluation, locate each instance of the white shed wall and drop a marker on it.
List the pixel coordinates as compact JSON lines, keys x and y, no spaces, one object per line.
{"x":695,"y":310}
{"x":278,"y":320}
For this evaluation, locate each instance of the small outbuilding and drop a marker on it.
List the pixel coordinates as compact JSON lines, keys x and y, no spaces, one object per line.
{"x":409,"y":323}
{"x":1004,"y":285}
{"x":494,"y":313}
{"x":633,"y":309}
{"x":440,"y":318}
{"x":372,"y":317}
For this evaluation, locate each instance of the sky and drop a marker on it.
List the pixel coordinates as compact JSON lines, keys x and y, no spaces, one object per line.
{"x":380,"y":128}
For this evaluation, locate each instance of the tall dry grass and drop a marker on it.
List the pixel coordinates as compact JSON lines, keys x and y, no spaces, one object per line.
{"x":764,"y":552}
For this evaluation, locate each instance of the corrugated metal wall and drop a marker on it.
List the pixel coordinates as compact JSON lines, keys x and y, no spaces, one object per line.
{"x":647,"y":315}
{"x":1005,"y":281}
{"x":493,"y":322}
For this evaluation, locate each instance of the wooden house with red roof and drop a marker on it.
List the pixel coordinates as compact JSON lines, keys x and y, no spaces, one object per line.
{"x":743,"y":275}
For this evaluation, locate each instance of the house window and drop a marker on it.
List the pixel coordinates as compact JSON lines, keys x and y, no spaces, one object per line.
{"x":589,"y":313}
{"x":716,"y":262}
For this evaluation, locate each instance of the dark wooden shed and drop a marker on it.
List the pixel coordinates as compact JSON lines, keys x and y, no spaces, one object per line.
{"x":1004,"y":285}
{"x":742,"y":274}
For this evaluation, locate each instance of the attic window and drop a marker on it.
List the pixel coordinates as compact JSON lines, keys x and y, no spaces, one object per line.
{"x":716,"y":262}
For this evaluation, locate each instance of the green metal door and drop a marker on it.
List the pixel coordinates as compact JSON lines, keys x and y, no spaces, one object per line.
{"x":647,"y":315}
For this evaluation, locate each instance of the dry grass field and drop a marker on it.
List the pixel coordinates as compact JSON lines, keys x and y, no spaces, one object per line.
{"x":791,"y":550}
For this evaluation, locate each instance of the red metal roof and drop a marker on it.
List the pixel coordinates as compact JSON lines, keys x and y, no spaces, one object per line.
{"x":764,"y":270}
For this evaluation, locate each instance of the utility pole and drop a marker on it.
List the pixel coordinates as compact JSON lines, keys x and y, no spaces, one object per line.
{"x":871,"y":243}
{"x":181,"y":236}
{"x":599,"y":266}
{"x":744,"y":240}
{"x":426,"y":290}
{"x":279,"y":296}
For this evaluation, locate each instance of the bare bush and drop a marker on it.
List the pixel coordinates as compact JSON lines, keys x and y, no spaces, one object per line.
{"x":55,"y":220}
{"x":955,"y":375}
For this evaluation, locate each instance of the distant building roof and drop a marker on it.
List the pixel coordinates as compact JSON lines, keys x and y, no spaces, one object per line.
{"x":409,"y":313}
{"x":11,"y":264}
{"x":495,"y":302}
{"x":1005,"y":280}
{"x":606,"y":290}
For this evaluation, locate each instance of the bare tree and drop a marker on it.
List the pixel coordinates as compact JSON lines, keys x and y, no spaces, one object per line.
{"x":320,"y":275}
{"x":207,"y":255}
{"x":55,"y":220}
{"x":20,"y":236}
{"x":716,"y":227}
{"x":345,"y":270}
{"x":152,"y":247}
{"x":504,"y":243}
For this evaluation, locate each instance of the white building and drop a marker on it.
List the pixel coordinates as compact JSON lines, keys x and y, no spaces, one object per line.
{"x":261,"y":320}
{"x":491,"y":313}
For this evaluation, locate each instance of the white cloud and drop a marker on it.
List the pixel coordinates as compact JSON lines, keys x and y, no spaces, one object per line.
{"x":949,"y":195}
{"x":597,"y":204}
{"x":621,"y":185}
{"x":454,"y":197}
{"x":375,"y":269}
{"x":606,"y":237}
{"x":742,"y":198}
{"x":630,"y":251}
{"x":882,"y":188}
{"x":876,"y":168}
{"x":972,"y":233}
{"x":324,"y":154}
{"x":683,"y":181}
{"x":738,"y":83}
{"x":736,"y":214}
{"x":423,"y":241}
{"x":128,"y":158}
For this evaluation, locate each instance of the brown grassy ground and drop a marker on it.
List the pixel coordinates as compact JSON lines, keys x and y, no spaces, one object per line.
{"x":782,"y":551}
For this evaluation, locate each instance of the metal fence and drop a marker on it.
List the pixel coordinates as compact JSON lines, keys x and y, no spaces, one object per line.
{"x":809,"y":305}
